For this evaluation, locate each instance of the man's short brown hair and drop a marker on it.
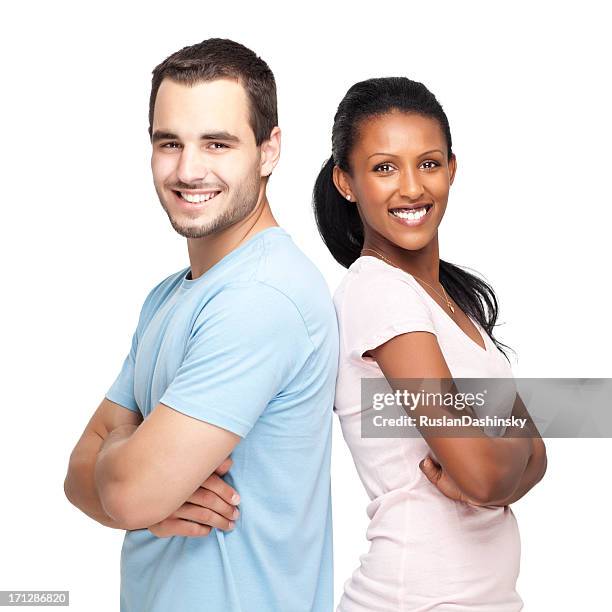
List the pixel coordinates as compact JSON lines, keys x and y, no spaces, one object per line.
{"x":218,"y":58}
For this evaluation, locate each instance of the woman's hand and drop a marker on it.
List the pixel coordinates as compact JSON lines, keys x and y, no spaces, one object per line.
{"x":212,"y":505}
{"x":437,"y":476}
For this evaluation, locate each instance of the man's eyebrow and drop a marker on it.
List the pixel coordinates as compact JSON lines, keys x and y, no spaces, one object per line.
{"x":421,"y":155}
{"x":225,"y":136}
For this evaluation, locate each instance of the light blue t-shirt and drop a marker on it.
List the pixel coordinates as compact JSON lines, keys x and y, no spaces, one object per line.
{"x":250,"y":346}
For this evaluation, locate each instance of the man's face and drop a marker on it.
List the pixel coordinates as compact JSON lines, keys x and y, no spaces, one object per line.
{"x":206,"y":165}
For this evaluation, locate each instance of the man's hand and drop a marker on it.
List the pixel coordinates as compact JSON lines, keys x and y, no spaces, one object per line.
{"x":437,"y":476}
{"x":212,"y":505}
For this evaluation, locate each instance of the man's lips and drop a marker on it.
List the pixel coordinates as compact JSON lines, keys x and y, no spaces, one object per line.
{"x":195,"y":198}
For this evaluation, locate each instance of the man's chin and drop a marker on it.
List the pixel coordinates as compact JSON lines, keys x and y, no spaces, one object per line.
{"x":192,"y":231}
{"x":217,"y":222}
{"x":190,"y":228}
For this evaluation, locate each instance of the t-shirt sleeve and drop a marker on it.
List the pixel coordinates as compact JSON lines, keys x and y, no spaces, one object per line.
{"x":122,"y":390}
{"x":377,"y":306}
{"x":247,"y":344}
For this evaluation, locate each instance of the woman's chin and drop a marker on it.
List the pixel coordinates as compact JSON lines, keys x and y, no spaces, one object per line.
{"x":410,"y":240}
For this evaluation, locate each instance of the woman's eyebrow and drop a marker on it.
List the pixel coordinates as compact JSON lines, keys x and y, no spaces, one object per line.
{"x":394,"y":155}
{"x":432,"y":151}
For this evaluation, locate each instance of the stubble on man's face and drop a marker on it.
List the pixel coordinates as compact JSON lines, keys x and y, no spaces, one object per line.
{"x":241,"y":201}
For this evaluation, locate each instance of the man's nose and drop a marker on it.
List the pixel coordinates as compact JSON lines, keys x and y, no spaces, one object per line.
{"x":410,"y":184}
{"x":192,"y":166}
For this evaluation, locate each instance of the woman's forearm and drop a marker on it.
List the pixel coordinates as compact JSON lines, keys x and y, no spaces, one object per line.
{"x":502,"y":463}
{"x":536,"y":466}
{"x":534,"y":472}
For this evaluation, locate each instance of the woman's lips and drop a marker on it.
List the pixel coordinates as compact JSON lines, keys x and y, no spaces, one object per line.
{"x":411,"y":218}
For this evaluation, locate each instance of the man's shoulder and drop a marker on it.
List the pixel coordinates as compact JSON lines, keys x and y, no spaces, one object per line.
{"x":172,"y":279}
{"x":285,"y":267}
{"x":252,"y":297}
{"x":162,"y":289}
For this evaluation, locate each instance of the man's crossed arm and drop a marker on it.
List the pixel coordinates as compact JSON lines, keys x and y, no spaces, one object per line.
{"x":211,"y":503}
{"x":144,"y":475}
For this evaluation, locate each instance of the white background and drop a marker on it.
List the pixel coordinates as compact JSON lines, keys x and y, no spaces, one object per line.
{"x":84,"y":238}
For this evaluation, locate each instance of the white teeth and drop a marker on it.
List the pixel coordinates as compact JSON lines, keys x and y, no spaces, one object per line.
{"x":196,"y":198}
{"x":412,"y":215}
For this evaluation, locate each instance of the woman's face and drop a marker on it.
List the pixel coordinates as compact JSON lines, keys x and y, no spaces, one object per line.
{"x":400,"y":179}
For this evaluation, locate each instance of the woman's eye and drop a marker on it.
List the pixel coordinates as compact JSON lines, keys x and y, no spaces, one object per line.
{"x":383,"y":168}
{"x":432,"y":164}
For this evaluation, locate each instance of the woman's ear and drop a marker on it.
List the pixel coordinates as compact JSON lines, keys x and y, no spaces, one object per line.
{"x":452,"y":168}
{"x":342,"y":183}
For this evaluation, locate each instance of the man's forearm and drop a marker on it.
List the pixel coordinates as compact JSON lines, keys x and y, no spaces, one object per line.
{"x":106,"y":471}
{"x":80,"y":486}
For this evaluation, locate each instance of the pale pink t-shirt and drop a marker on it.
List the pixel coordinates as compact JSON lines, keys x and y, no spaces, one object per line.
{"x":427,"y":551}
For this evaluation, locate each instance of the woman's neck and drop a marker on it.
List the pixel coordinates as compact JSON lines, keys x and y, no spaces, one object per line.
{"x":423,"y":263}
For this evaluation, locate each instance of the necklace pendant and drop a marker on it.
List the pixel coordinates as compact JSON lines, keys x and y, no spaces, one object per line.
{"x":451,"y":307}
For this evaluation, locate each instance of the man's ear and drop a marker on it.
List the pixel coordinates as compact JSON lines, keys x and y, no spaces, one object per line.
{"x":342,"y":183}
{"x":270,"y":152}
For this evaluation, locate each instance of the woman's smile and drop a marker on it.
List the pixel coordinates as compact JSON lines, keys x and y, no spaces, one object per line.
{"x":411,"y":216}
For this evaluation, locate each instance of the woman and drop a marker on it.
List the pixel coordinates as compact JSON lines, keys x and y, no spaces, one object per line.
{"x":442,"y":534}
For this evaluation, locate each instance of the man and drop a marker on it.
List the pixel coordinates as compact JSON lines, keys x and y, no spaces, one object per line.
{"x":236,"y":354}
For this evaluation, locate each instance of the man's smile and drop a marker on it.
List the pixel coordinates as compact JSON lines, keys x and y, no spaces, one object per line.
{"x":195,"y":197}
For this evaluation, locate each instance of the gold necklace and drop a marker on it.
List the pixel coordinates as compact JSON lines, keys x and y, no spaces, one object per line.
{"x":444,"y":297}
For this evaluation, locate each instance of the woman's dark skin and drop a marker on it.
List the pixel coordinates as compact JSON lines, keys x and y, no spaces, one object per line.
{"x":401,"y":159}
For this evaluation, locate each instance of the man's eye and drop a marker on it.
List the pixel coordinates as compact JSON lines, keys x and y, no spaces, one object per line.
{"x":170,"y":145}
{"x":383,"y":168}
{"x":218,"y":145}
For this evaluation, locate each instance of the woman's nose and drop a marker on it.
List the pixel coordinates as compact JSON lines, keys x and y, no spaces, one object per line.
{"x":410,"y":184}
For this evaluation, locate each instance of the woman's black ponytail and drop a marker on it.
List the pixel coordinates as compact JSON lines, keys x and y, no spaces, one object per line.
{"x":338,"y":220}
{"x":474,"y":296}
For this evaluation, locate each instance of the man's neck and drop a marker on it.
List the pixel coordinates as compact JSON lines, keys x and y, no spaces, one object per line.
{"x":205,"y":252}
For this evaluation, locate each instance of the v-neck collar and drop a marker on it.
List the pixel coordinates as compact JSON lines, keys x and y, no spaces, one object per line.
{"x":476,"y":324}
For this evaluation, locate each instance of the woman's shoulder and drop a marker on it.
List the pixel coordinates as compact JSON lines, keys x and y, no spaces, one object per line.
{"x":372,"y":287}
{"x":375,"y":302}
{"x":370,"y":275}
